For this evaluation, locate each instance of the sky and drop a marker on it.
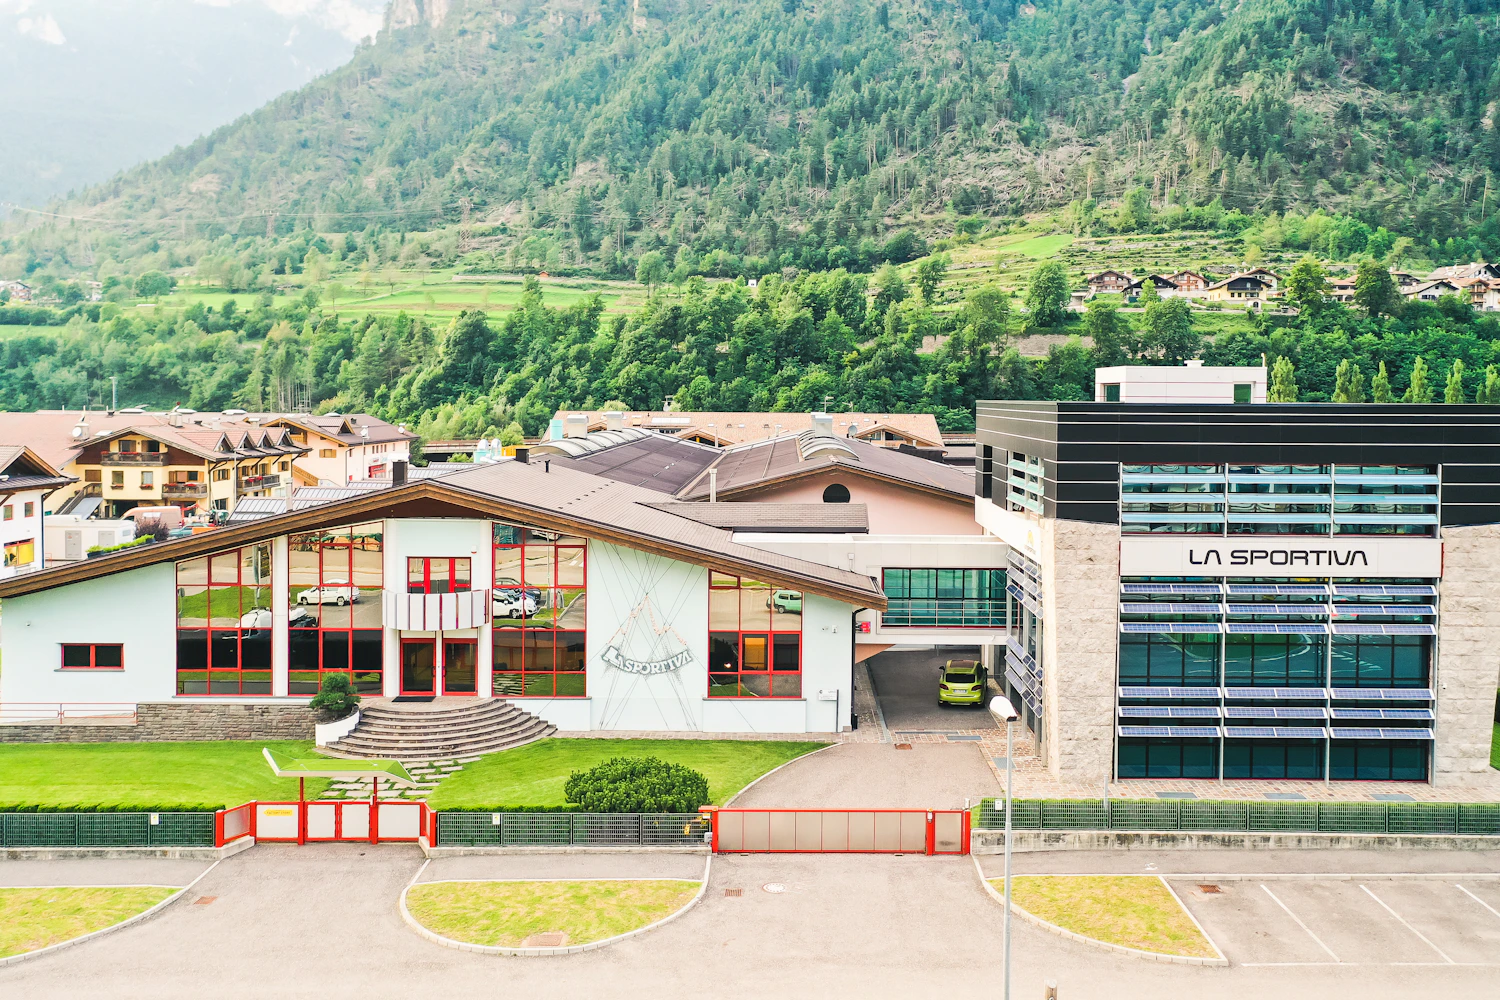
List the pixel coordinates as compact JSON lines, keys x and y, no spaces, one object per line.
{"x":90,"y":87}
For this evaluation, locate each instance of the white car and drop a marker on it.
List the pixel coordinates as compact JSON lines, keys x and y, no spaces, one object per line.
{"x":261,"y":618}
{"x":333,"y":592}
{"x":511,"y":604}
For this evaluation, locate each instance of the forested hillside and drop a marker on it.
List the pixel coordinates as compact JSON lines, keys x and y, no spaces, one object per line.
{"x":747,"y":137}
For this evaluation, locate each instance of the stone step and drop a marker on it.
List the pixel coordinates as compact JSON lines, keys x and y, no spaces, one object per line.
{"x":473,"y":726}
{"x":478,"y":707}
{"x":416,"y":753}
{"x":439,"y":735}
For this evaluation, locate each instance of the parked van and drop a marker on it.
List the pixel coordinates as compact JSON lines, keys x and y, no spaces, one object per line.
{"x":169,"y":516}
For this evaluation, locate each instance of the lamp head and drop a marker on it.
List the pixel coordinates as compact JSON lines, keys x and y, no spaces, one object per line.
{"x":1002,"y":709}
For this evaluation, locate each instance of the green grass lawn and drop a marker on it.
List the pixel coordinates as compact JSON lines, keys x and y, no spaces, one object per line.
{"x":534,"y":774}
{"x":1495,"y":749}
{"x":38,"y":918}
{"x":1042,"y":247}
{"x":140,"y":775}
{"x":507,"y":913}
{"x":1135,"y":911}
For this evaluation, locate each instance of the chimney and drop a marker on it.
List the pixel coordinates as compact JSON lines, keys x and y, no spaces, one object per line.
{"x":523,"y":455}
{"x":614,"y":420}
{"x":713,"y":485}
{"x":546,"y":465}
{"x":398,"y":473}
{"x":822,"y":424}
{"x":575,"y":425}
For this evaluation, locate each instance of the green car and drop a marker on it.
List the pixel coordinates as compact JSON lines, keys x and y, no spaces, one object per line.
{"x":788,"y":602}
{"x":961,"y":682}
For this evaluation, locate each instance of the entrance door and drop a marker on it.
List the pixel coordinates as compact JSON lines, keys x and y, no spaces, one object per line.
{"x":417,"y":666}
{"x":460,"y":666}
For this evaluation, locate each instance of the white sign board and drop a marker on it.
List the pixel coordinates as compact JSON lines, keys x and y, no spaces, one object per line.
{"x":1248,"y":555}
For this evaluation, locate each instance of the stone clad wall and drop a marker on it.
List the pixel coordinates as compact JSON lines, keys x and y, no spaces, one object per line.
{"x":178,"y":721}
{"x":1468,"y":652}
{"x":1080,"y":635}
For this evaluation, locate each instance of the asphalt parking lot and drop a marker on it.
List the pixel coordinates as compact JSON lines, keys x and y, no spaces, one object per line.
{"x":906,"y":685}
{"x":1369,"y":921}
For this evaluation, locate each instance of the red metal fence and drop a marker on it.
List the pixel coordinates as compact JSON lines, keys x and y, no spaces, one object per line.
{"x":325,"y":821}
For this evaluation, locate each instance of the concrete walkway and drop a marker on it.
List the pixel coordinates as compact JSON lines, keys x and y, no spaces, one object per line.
{"x":101,"y":871}
{"x":877,"y":775}
{"x":565,"y":866}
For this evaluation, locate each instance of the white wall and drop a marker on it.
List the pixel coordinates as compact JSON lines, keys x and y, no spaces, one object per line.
{"x":137,"y":608}
{"x":20,"y":527}
{"x":1189,"y":383}
{"x":440,"y":537}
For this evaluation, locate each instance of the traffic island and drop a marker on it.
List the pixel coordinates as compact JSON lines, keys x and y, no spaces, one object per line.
{"x":1134,"y":914}
{"x":543,"y":917}
{"x":32,"y":919}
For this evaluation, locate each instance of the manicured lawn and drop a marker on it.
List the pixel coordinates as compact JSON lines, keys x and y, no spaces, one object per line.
{"x":37,"y":918}
{"x":1131,"y":910}
{"x":1495,"y":749}
{"x":1042,"y":247}
{"x":507,"y":913}
{"x":534,"y":774}
{"x":141,"y":775}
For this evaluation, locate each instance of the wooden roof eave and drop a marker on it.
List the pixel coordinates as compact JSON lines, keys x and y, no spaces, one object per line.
{"x":383,"y":503}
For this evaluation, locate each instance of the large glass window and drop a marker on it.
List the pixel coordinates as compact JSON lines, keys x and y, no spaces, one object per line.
{"x":1168,"y":758}
{"x":335,"y":579}
{"x":1274,"y":660}
{"x":538,"y":607}
{"x":1378,"y":760}
{"x":1381,"y":660}
{"x":224,"y":623}
{"x":1167,"y":659}
{"x":754,"y":639}
{"x":952,"y":597}
{"x":438,"y":575}
{"x":1273,"y":759}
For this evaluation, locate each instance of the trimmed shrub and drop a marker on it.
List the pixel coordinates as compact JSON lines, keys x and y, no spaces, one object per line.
{"x":637,"y":785}
{"x":335,"y":699}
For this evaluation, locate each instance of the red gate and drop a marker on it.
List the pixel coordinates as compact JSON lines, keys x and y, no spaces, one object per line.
{"x":841,"y":831}
{"x":311,"y":821}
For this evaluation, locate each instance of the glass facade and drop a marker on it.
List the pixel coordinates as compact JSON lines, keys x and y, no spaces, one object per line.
{"x":224,"y":623}
{"x":754,"y":639}
{"x":335,"y":580}
{"x":538,"y":607}
{"x":962,"y":598}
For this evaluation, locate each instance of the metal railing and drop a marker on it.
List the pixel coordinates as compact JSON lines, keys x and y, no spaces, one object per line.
{"x":557,"y":829}
{"x":184,"y":489}
{"x":1166,"y":815}
{"x":133,"y":458}
{"x":959,"y":612}
{"x":107,"y":829}
{"x":47,"y":713}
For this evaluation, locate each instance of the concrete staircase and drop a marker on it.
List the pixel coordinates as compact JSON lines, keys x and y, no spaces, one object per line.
{"x":438,"y":731}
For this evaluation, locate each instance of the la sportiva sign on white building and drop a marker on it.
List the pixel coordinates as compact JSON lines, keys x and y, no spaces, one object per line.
{"x":1302,"y":557}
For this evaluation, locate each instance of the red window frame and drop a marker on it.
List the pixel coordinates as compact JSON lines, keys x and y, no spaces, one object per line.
{"x":335,"y":548}
{"x":535,"y":640}
{"x":428,"y":562}
{"x":774,"y":679}
{"x":220,"y":639}
{"x":93,"y":648}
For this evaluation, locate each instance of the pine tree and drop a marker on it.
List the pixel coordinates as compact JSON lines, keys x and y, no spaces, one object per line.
{"x":1420,"y":390}
{"x":1349,"y":384}
{"x":1380,"y":387}
{"x":1454,"y":392}
{"x":1283,"y":382}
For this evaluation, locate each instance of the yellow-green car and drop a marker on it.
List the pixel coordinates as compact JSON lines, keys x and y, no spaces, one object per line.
{"x":961,"y":682}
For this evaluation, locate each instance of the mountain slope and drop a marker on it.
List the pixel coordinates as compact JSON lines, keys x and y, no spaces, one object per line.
{"x":583,"y":133}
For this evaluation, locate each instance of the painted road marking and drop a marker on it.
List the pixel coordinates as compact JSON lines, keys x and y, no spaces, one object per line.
{"x":1407,"y":925}
{"x":1302,"y":925}
{"x":1481,"y":902}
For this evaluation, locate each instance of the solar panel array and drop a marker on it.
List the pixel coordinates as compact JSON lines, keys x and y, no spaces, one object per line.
{"x":1169,"y":692}
{"x":1170,"y":608}
{"x":1380,"y":694}
{"x":1182,"y":628}
{"x":1384,"y":590}
{"x":1277,"y":628}
{"x":1384,"y":609}
{"x":1278,"y":609}
{"x":1275,"y":732}
{"x":1382,"y":734}
{"x":1171,"y":732}
{"x":1384,"y":628}
{"x":1280,"y":693}
{"x":1169,"y":711}
{"x":1275,"y":712}
{"x":1287,"y":589}
{"x":1171,"y":588}
{"x":1382,"y":713}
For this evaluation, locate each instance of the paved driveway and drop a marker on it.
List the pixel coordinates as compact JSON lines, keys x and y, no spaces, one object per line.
{"x":906,"y":683}
{"x":101,"y":871}
{"x":878,"y":776}
{"x":321,"y":921}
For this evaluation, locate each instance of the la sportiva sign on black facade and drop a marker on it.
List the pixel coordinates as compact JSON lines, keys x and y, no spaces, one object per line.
{"x":1301,"y":557}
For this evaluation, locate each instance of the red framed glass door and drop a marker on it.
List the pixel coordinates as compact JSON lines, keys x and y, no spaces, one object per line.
{"x":461,"y":666}
{"x":418,"y":666}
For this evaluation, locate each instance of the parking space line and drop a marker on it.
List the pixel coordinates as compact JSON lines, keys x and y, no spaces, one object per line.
{"x":1407,"y":925}
{"x":1481,"y":902}
{"x":1301,"y":924}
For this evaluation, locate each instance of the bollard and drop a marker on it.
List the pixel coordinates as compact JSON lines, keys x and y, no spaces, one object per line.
{"x":1049,"y":990}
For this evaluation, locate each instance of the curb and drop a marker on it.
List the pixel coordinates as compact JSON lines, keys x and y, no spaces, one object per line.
{"x":229,"y":850}
{"x":778,"y":767}
{"x":128,"y":921}
{"x":576,"y":949}
{"x":471,"y":850}
{"x":1154,"y":956}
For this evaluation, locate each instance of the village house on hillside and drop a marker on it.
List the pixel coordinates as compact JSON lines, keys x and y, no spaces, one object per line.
{"x":1108,"y":282}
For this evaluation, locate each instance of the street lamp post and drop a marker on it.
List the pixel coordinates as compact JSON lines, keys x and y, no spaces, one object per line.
{"x":1002,"y":709}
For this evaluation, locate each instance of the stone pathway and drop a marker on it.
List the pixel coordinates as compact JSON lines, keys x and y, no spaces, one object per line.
{"x":429,"y":774}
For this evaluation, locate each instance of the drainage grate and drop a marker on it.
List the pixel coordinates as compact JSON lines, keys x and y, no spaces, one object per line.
{"x":734,"y":892}
{"x":1209,"y":889}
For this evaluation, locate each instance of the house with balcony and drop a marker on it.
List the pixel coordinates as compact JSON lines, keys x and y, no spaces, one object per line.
{"x":26,"y":480}
{"x":341,"y":448}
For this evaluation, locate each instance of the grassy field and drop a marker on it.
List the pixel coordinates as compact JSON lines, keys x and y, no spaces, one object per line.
{"x":140,"y":775}
{"x":507,"y":913}
{"x":1131,"y":910}
{"x":38,"y":918}
{"x":534,"y":775}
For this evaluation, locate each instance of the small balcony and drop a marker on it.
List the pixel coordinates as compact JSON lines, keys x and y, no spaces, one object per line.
{"x":184,"y":491}
{"x":430,"y":612}
{"x":266,"y":482}
{"x":134,"y":458}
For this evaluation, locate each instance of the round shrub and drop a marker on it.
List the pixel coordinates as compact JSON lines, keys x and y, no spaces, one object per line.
{"x":637,"y":785}
{"x":336,"y":699}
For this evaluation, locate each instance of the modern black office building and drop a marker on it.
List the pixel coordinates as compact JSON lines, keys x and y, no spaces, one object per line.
{"x":1294,"y":591}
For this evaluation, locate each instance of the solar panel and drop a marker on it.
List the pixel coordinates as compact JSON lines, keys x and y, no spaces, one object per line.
{"x":1384,"y":609}
{"x":1181,"y":628}
{"x":1380,"y":694}
{"x":1279,"y":693}
{"x":1278,"y":588}
{"x":1275,"y":732}
{"x":1170,"y":608}
{"x":1169,"y":692}
{"x":1169,"y":711}
{"x":1171,"y":732}
{"x":1277,"y":628}
{"x":1382,"y":734}
{"x":1171,"y":588}
{"x":1384,"y":590}
{"x":1278,"y":609}
{"x":1275,"y":712}
{"x":1382,"y":713}
{"x":1408,"y":628}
